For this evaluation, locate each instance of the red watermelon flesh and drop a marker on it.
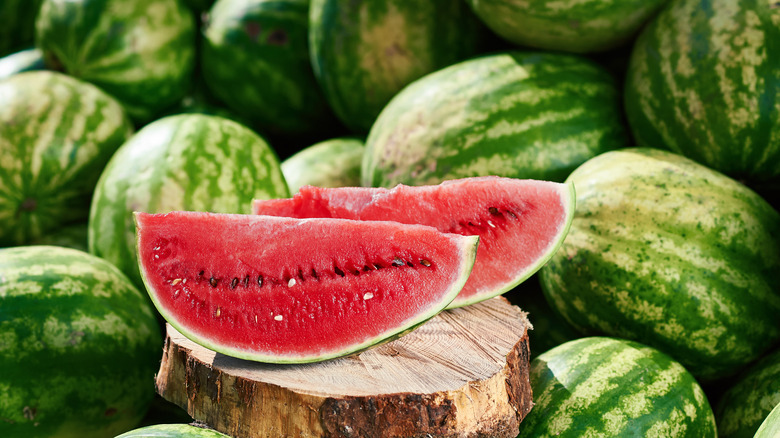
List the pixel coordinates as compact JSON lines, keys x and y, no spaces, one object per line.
{"x":520,"y":222}
{"x":286,"y":290}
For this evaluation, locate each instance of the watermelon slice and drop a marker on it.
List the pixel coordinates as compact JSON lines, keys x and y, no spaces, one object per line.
{"x":286,"y":290}
{"x":520,"y":222}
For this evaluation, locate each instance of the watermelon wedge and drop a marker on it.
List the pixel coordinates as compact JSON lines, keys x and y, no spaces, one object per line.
{"x":520,"y":222}
{"x":287,"y":290}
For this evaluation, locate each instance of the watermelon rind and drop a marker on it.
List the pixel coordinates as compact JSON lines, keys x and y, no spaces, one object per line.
{"x":749,"y":399}
{"x":517,"y":114}
{"x":329,"y":163}
{"x":702,"y":82}
{"x":611,"y":387}
{"x":770,"y":428}
{"x":142,"y":52}
{"x":182,"y":162}
{"x":80,"y":345}
{"x":172,"y":431}
{"x":21,"y":61}
{"x":56,"y":135}
{"x":670,"y":253}
{"x":467,"y":247}
{"x":567,"y":25}
{"x":365,"y":52}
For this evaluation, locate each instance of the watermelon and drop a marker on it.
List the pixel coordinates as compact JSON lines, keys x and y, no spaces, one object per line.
{"x":17,"y":24}
{"x":56,"y":135}
{"x":364,"y":52}
{"x":770,"y":428}
{"x":329,"y":163}
{"x":702,"y":82}
{"x":80,"y":345}
{"x":182,"y":162}
{"x":568,"y":25}
{"x":21,"y":61}
{"x":288,"y":290}
{"x":172,"y":431}
{"x":750,"y":398}
{"x":521,"y":223}
{"x":602,"y":386}
{"x":142,"y":51}
{"x":668,"y":252}
{"x":514,"y":114}
{"x":256,"y":60}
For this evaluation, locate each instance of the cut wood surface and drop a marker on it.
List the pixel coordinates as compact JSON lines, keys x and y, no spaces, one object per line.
{"x":464,"y":373}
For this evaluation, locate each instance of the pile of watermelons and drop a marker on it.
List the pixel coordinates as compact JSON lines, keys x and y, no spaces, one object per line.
{"x":658,"y":315}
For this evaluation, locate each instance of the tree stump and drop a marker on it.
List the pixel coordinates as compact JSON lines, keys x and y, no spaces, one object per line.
{"x":464,"y":373}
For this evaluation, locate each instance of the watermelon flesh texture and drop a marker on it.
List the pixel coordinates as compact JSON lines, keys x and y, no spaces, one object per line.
{"x":520,"y":222}
{"x":288,"y":290}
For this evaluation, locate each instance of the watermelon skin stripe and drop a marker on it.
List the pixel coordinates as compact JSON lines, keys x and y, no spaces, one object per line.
{"x":661,"y":246}
{"x":702,"y":82}
{"x":743,"y":407}
{"x":56,"y":135}
{"x":600,"y":386}
{"x":570,"y":26}
{"x":513,"y":114}
{"x":184,"y":162}
{"x":140,"y":51}
{"x":365,"y":52}
{"x":79,"y":345}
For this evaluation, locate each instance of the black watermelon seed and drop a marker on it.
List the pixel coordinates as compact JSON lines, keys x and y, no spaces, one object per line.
{"x":213,"y":282}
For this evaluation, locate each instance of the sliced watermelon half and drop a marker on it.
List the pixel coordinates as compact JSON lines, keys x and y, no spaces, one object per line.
{"x":520,"y":222}
{"x":287,"y":290}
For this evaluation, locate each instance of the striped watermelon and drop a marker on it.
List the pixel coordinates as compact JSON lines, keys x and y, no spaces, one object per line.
{"x":608,"y":387}
{"x":21,"y":61}
{"x":183,"y":162}
{"x":665,"y":251}
{"x":256,"y":60}
{"x":80,"y":346}
{"x":363,"y":52}
{"x":568,"y":25}
{"x":329,"y":163}
{"x":515,"y":114}
{"x":702,"y":82}
{"x":770,"y":428}
{"x":750,"y":398}
{"x":141,"y":51}
{"x":17,"y":24}
{"x":56,"y":135}
{"x":172,"y":431}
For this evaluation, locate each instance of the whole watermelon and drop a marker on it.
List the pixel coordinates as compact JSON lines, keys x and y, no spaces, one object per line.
{"x":665,"y":251}
{"x":330,"y":163}
{"x":56,"y":135}
{"x":514,"y":114}
{"x":749,"y":399}
{"x":256,"y":60}
{"x":567,"y":25}
{"x":183,"y":162}
{"x":80,"y":346}
{"x":17,"y":24}
{"x":702,"y":82}
{"x":141,"y":51}
{"x":363,"y":52}
{"x":609,"y":387}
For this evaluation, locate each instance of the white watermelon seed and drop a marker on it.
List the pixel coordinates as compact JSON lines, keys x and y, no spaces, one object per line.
{"x":368,"y":296}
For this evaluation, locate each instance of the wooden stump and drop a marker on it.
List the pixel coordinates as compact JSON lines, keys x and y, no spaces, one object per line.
{"x":464,"y":373}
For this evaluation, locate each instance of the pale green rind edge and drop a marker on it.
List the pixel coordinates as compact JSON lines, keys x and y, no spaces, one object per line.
{"x":569,"y":198}
{"x":770,"y":428}
{"x":468,"y":250}
{"x":171,"y":431}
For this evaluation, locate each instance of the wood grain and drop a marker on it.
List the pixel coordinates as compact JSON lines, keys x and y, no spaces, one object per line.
{"x":464,"y":373}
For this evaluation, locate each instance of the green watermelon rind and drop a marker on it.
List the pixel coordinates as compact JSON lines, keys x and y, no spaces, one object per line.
{"x":172,"y":431}
{"x":468,"y":249}
{"x":770,"y":427}
{"x":569,"y":202}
